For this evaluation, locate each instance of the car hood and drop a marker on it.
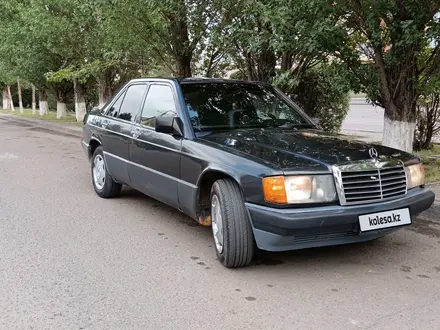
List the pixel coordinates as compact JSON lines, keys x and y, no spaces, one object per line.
{"x":304,"y":150}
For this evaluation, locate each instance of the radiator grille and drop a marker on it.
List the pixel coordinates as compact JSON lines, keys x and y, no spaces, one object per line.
{"x":373,"y":185}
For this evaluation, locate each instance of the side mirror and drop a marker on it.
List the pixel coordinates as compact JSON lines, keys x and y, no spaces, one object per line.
{"x":169,"y":125}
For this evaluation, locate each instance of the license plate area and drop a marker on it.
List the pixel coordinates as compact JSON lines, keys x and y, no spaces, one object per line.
{"x":383,"y":220}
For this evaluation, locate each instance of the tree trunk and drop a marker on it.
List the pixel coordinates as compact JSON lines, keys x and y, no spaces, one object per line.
{"x":11,"y":101}
{"x":429,"y":134}
{"x":398,"y":91}
{"x":105,"y":88}
{"x":398,"y":134}
{"x":80,"y":102}
{"x":61,"y":104}
{"x":210,"y":68}
{"x":286,"y":61}
{"x":399,"y":123}
{"x":20,"y":99}
{"x":428,"y":122}
{"x":5,"y":98}
{"x":34,"y":102}
{"x":250,"y":67}
{"x":42,"y":98}
{"x":61,"y":110}
{"x":184,"y":66}
{"x":400,"y":117}
{"x":183,"y":48}
{"x":266,"y":65}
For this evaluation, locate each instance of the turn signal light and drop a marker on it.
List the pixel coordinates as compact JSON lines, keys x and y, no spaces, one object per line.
{"x":274,"y":190}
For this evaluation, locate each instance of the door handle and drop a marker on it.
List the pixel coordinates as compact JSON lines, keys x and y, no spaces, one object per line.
{"x":135,"y":132}
{"x":105,"y":123}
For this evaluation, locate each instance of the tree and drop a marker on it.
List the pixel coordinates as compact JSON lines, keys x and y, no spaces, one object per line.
{"x":314,"y":50}
{"x":428,"y":106}
{"x":391,"y":36}
{"x":20,"y":99}
{"x":428,"y":119}
{"x":96,"y":54}
{"x":27,"y":48}
{"x":6,"y":80}
{"x":171,"y":31}
{"x":288,"y":43}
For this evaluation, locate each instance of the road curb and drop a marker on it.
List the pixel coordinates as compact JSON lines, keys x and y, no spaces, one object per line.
{"x":61,"y":128}
{"x":360,"y":131}
{"x":359,"y":101}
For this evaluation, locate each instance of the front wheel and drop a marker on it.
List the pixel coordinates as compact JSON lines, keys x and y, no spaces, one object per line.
{"x":231,"y":228}
{"x":103,"y":183}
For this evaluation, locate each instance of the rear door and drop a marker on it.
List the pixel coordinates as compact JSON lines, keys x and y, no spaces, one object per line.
{"x":155,"y":157}
{"x":117,"y":136}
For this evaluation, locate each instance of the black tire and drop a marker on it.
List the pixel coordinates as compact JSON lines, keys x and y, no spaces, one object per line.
{"x":238,"y":238}
{"x":110,"y":188}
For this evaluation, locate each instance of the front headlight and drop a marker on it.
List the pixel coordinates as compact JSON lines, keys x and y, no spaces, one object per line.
{"x":415,"y":175}
{"x":299,"y":189}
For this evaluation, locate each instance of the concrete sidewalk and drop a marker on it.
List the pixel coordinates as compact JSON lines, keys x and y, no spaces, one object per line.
{"x":366,"y":120}
{"x":364,"y":135}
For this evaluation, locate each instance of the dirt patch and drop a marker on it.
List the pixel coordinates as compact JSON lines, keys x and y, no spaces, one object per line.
{"x":12,"y":123}
{"x":428,"y":223}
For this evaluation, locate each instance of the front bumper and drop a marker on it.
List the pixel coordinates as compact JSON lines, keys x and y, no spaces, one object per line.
{"x":293,"y":229}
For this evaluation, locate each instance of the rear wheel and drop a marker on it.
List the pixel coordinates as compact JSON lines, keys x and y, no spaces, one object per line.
{"x":231,"y":228}
{"x":103,"y":183}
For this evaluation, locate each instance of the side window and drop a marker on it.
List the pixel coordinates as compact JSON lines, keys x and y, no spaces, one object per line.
{"x":132,"y":102}
{"x":114,"y":109}
{"x":159,"y":102}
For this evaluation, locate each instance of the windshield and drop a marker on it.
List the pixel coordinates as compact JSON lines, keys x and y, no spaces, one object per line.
{"x":220,"y":106}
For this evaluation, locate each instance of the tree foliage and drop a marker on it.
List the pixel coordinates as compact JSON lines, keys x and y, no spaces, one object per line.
{"x":428,"y":107}
{"x":391,"y":36}
{"x":314,"y":50}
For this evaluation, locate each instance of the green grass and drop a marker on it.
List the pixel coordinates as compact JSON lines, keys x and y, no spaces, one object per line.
{"x":51,"y":116}
{"x":432,"y":168}
{"x":358,"y":95}
{"x":432,"y":165}
{"x":435,"y":151}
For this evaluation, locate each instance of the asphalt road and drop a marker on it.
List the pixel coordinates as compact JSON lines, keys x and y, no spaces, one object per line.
{"x":364,"y":117}
{"x":70,"y":260}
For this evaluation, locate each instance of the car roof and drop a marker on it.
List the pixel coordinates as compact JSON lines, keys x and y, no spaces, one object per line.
{"x":198,"y":80}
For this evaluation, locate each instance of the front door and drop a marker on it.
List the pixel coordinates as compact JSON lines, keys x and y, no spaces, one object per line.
{"x":155,"y":157}
{"x":117,"y":134}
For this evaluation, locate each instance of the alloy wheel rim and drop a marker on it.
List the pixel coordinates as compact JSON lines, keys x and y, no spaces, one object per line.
{"x":217,"y":223}
{"x":99,"y":172}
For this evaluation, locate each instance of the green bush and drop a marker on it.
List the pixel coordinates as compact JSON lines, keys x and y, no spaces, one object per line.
{"x":323,"y":93}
